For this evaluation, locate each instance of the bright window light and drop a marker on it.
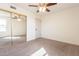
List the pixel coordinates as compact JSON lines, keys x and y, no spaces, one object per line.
{"x":40,"y":52}
{"x":3,"y":23}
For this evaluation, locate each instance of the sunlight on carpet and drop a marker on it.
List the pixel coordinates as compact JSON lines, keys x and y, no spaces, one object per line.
{"x":40,"y":52}
{"x":12,"y":37}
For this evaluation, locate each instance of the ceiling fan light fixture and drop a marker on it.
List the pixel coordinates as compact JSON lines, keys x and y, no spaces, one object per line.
{"x":18,"y":19}
{"x":42,"y":9}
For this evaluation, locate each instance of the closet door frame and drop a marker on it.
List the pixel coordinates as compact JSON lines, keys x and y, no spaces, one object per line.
{"x":11,"y":18}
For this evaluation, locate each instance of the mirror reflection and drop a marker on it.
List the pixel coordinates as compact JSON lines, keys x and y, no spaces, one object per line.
{"x":12,"y":28}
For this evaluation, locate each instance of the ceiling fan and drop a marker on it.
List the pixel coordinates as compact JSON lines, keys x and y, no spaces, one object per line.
{"x":43,"y":6}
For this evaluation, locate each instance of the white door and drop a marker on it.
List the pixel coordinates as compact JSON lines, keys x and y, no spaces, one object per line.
{"x":38,"y":28}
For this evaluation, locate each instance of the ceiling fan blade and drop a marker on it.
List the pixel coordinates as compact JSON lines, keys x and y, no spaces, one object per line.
{"x":47,"y":10}
{"x":37,"y":11}
{"x":50,"y":4}
{"x":33,"y":5}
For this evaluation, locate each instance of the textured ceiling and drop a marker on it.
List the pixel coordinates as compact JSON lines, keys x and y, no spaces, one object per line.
{"x":55,"y":8}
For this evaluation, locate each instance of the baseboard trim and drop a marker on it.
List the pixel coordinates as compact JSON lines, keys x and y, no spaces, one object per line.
{"x":61,"y":41}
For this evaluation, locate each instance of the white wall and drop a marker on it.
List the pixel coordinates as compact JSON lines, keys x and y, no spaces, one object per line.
{"x":62,"y":26}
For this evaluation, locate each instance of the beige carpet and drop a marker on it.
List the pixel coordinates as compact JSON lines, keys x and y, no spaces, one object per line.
{"x":40,"y":47}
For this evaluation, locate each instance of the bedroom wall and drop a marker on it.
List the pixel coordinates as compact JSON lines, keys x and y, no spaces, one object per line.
{"x":62,"y":26}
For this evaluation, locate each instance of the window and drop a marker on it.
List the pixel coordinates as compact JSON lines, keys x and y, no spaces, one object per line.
{"x":2,"y":24}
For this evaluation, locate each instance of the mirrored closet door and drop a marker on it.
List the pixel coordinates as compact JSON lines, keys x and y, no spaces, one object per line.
{"x":5,"y":29}
{"x":18,"y":28}
{"x":12,"y":29}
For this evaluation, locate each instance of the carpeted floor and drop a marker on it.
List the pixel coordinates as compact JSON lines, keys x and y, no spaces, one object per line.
{"x":40,"y":47}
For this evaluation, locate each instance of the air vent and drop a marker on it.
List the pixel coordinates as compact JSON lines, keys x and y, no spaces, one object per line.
{"x":13,"y":7}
